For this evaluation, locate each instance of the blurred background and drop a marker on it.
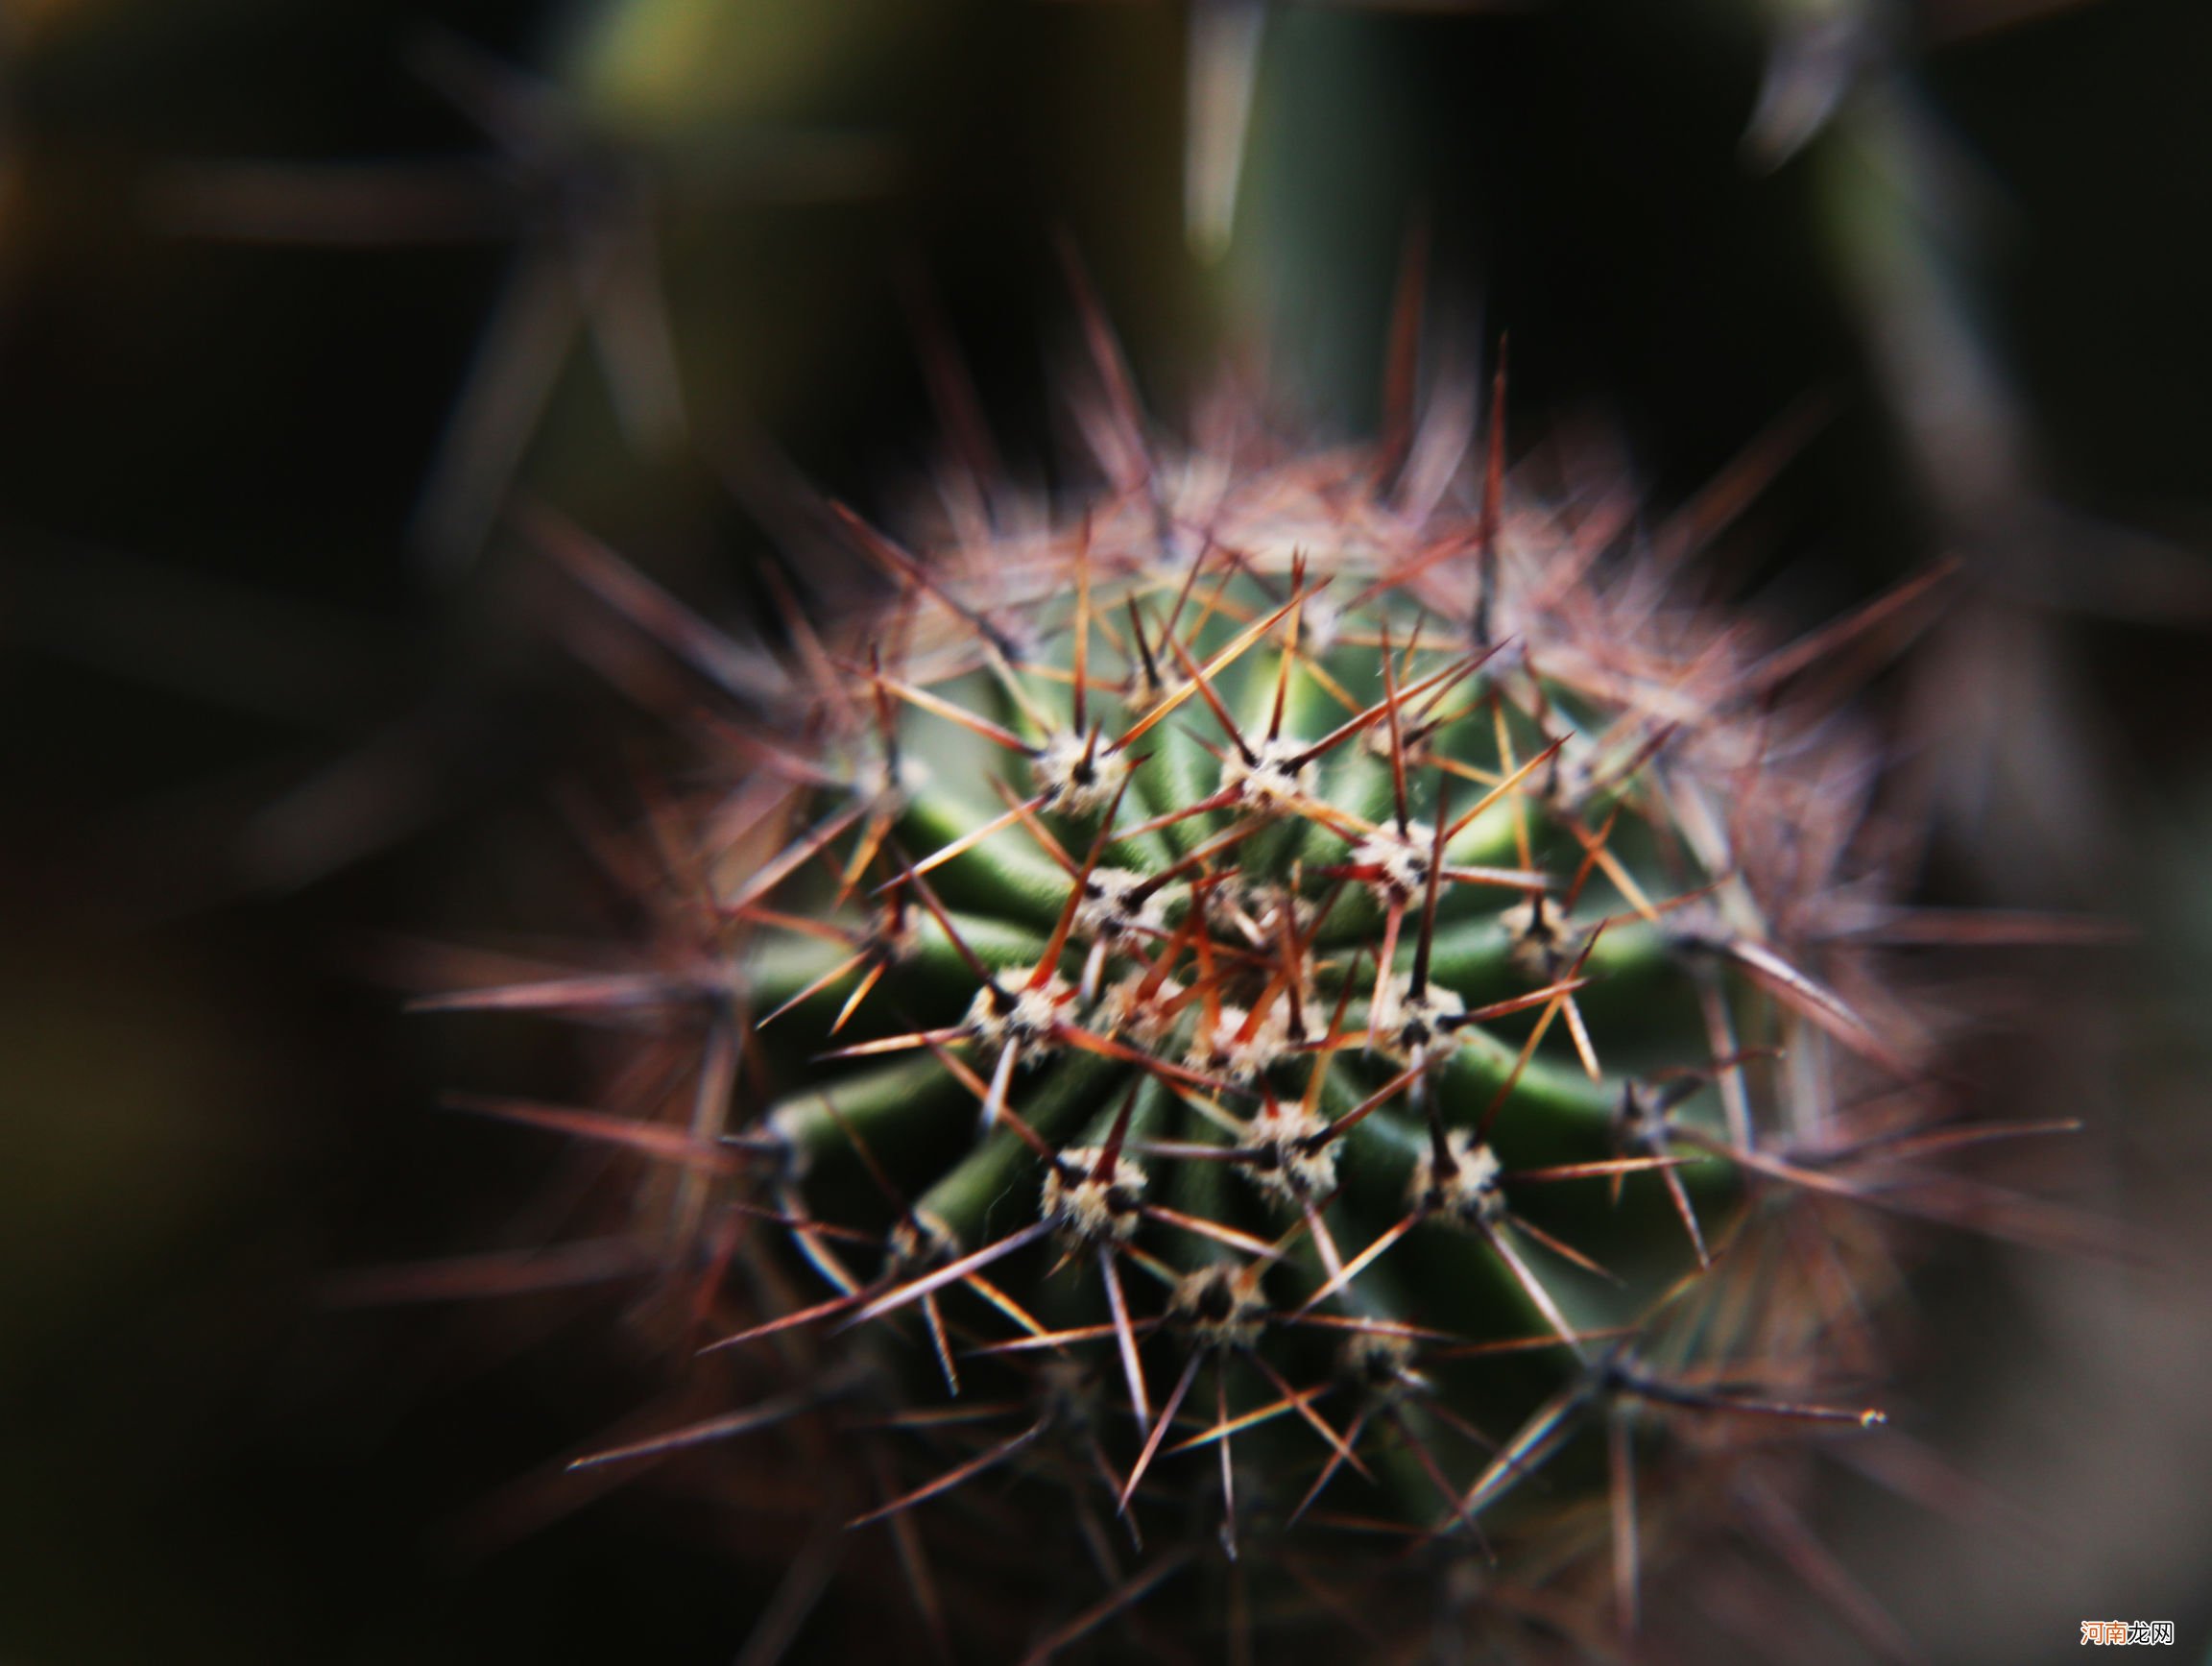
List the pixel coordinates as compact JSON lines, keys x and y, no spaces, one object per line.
{"x":295,"y":300}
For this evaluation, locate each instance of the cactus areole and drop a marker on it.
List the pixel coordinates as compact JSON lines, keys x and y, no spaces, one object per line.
{"x":1250,"y":1041}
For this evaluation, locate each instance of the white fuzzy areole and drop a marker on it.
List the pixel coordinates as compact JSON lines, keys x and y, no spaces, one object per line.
{"x":1403,"y":1020}
{"x":1401,"y":861}
{"x":1216,"y":1308}
{"x":1029,"y":1021}
{"x":1078,"y":774}
{"x":1107,"y":911}
{"x":1274,"y":783}
{"x":1291,"y":1172}
{"x":1470,"y":1194}
{"x":1088,"y":1210}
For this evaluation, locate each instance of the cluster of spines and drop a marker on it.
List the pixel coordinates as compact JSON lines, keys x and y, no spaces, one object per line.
{"x":1244,"y":917}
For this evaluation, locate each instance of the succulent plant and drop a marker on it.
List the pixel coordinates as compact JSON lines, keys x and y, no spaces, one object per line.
{"x":1294,"y":1050}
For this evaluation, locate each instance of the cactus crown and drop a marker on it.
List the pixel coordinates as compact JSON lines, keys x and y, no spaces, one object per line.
{"x":1256,"y":1008}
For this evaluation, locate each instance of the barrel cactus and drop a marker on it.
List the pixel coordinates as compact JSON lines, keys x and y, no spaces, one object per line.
{"x":1282,"y":1056}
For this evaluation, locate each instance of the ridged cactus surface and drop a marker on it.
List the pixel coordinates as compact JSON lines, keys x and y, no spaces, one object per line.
{"x":1267,"y":1060}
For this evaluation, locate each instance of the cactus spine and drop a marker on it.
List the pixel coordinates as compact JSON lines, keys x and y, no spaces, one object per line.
{"x":1270,"y":1047}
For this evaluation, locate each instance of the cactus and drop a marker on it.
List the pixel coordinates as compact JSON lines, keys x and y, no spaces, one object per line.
{"x":1264,"y":1046}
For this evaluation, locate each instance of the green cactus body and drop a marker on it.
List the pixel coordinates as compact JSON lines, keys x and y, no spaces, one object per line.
{"x":1276,"y":1007}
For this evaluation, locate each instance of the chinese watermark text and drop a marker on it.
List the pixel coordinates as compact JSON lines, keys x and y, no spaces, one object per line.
{"x":2104,"y":1631}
